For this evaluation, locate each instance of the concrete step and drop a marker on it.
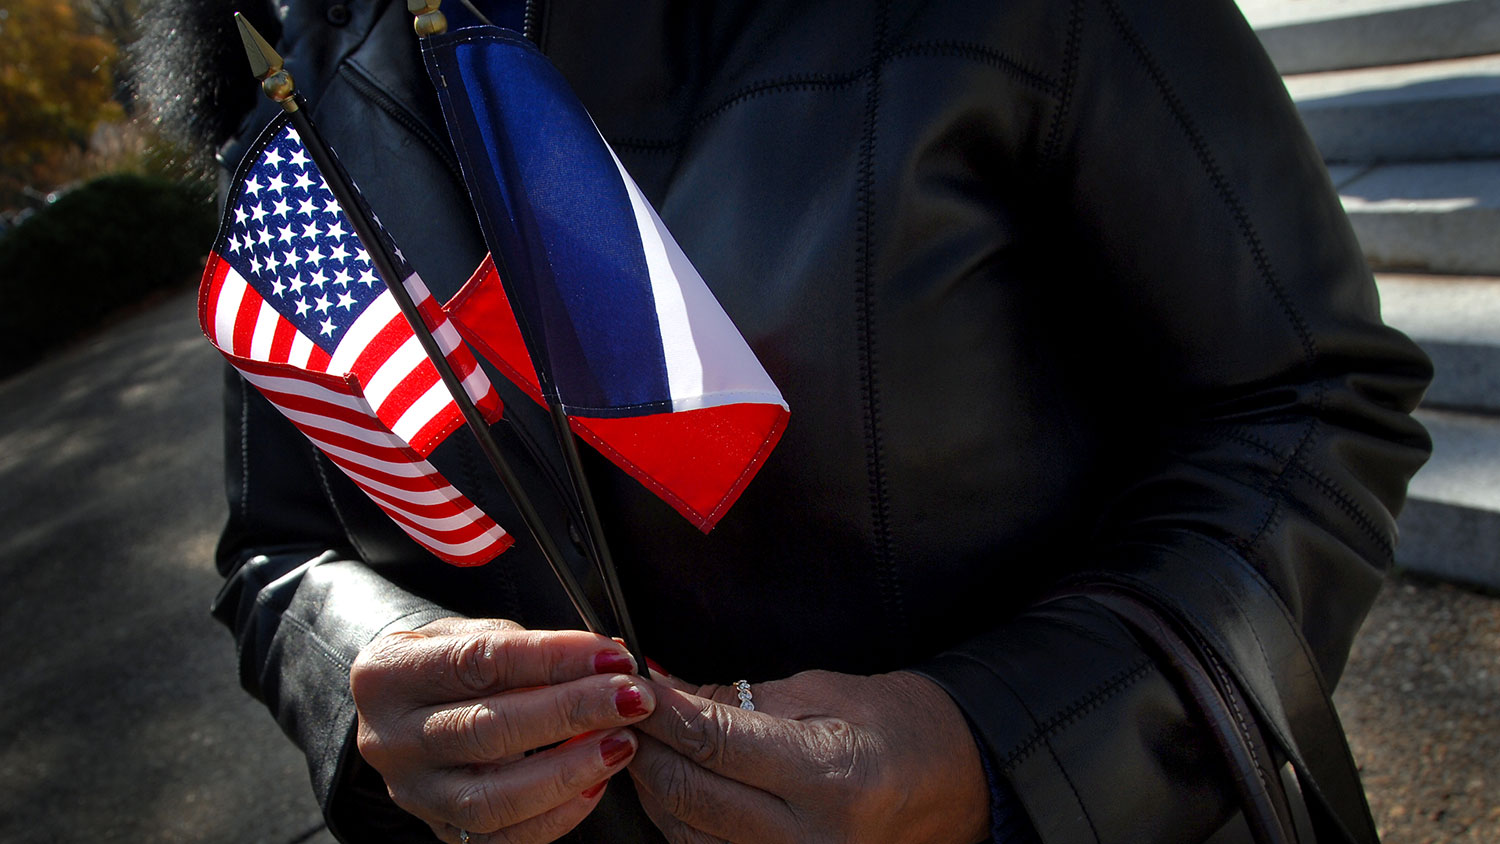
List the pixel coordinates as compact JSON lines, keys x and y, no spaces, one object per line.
{"x":1441,"y":217}
{"x":1450,"y":528}
{"x":1456,"y":320}
{"x":1312,"y":35}
{"x":1429,"y":111}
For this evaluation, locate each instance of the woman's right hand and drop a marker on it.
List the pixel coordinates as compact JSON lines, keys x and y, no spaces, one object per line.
{"x":447,"y":713}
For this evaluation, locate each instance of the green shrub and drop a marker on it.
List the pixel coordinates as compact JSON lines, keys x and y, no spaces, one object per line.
{"x":99,"y":248}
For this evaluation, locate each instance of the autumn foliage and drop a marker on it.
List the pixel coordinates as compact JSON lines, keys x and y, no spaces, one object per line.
{"x":56,"y":83}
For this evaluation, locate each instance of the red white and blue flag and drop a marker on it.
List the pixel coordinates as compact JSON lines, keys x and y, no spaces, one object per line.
{"x":293,"y":301}
{"x":621,"y":330}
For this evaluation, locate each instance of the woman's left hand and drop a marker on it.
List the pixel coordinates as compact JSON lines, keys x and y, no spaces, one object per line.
{"x":824,"y":757}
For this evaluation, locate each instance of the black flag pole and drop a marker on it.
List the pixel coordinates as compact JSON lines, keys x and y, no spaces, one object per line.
{"x":429,"y":20}
{"x":278,"y":85}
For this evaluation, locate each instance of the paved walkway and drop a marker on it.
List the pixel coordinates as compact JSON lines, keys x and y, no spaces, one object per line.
{"x":120,"y":714}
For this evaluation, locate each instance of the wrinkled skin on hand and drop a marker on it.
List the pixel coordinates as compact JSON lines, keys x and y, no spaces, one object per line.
{"x":449,"y":713}
{"x":825,"y":757}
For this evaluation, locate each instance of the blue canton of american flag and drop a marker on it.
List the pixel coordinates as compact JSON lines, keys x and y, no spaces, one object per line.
{"x":292,"y":299}
{"x":292,"y":242}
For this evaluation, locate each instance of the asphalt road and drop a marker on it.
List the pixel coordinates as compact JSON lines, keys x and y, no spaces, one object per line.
{"x":121,"y":718}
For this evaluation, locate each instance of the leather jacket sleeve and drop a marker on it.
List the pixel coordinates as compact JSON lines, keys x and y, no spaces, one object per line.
{"x":1262,"y":511}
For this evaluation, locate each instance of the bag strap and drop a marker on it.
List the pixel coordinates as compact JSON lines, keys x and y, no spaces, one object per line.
{"x":1256,"y":693}
{"x":1222,"y":710}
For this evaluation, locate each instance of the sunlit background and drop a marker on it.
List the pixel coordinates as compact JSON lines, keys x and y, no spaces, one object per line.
{"x":120,"y":713}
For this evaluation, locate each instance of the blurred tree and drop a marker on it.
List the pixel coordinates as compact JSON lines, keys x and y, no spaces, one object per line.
{"x":55,"y":86}
{"x":119,"y":22}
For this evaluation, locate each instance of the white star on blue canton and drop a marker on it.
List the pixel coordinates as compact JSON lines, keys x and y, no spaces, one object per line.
{"x":346,"y":301}
{"x":367,"y":276}
{"x":317,"y":279}
{"x":331,"y":206}
{"x":339,"y":253}
{"x":304,"y":182}
{"x":322,"y":305}
{"x":341,"y":278}
{"x":273,"y":156}
{"x":337,"y":229}
{"x":276,"y":184}
{"x":299,"y":157}
{"x":258,"y":213}
{"x":281,"y":208}
{"x":306,"y":207}
{"x":327,"y":325}
{"x":252,"y":187}
{"x":313,"y":255}
{"x":297,"y":284}
{"x":302,"y":307}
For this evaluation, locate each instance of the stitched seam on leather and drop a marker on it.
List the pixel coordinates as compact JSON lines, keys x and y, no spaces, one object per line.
{"x":983,"y":55}
{"x":1232,"y":700}
{"x":756,"y":90}
{"x":830,"y":81}
{"x":1071,"y":50}
{"x":1257,"y":253}
{"x":363,"y":81}
{"x":1278,"y":490}
{"x":864,"y":305}
{"x":1328,"y":488}
{"x":1039,"y":735}
{"x":322,"y":648}
{"x":1082,"y":706}
{"x":244,"y":449}
{"x":1216,"y":177}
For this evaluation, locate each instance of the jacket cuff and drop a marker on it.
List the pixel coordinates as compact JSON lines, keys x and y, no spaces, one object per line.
{"x":299,"y":635}
{"x":1067,"y":707}
{"x":1008,"y":821}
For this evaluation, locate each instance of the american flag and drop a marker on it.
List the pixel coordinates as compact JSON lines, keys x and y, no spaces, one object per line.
{"x":292,"y":299}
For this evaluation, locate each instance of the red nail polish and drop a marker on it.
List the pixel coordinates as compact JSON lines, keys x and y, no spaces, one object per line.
{"x":593,"y":791}
{"x":629,"y":703}
{"x":616,"y":749}
{"x":613,"y":662}
{"x":656,"y":666}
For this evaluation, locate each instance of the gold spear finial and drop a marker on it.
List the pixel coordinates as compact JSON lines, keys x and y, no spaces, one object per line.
{"x":428,"y":21}
{"x":267,"y":66}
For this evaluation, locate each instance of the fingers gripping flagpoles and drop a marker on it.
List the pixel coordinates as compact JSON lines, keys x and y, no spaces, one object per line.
{"x":279,"y":86}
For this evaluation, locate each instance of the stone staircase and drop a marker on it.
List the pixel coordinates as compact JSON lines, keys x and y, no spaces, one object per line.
{"x":1403,"y":100}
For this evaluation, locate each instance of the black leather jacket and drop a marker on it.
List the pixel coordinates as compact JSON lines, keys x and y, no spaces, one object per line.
{"x":1057,"y":291}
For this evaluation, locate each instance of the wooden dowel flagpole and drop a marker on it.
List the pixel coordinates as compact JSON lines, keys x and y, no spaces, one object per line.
{"x":278,"y":85}
{"x":429,"y":20}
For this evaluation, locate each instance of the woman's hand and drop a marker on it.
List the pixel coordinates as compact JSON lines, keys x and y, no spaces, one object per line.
{"x":448,"y":712}
{"x":823,"y":758}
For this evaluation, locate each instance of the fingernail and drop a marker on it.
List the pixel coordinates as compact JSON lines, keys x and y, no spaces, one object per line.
{"x":656,"y":666}
{"x":613,"y":662}
{"x":593,"y":791}
{"x":616,"y":749}
{"x":629,"y":702}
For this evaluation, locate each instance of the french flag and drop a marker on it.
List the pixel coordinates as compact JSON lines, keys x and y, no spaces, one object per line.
{"x":597,"y":309}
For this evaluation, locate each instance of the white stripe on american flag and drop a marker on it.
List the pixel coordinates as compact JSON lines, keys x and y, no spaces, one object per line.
{"x":375,"y":318}
{"x":265,"y":332}
{"x":421,"y":412}
{"x":460,"y":513}
{"x":393,"y":371}
{"x":302,"y":348}
{"x":231,"y":293}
